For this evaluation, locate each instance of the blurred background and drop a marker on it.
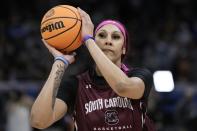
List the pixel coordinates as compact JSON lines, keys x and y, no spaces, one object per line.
{"x":163,"y":36}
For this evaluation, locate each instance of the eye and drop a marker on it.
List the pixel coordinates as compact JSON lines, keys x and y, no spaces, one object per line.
{"x":115,"y":36}
{"x":102,"y":35}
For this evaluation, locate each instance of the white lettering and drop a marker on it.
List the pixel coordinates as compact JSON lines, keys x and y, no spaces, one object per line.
{"x":106,"y":103}
{"x":86,"y":107}
{"x":99,"y":104}
{"x":111,"y":104}
{"x":112,"y":128}
{"x":94,"y":105}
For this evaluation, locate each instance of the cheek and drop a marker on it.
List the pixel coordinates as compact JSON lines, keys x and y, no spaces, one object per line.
{"x":119,"y":46}
{"x":119,"y":51}
{"x":119,"y":43}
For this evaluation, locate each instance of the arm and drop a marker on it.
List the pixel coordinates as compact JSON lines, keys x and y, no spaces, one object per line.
{"x":47,"y":109}
{"x":132,"y":87}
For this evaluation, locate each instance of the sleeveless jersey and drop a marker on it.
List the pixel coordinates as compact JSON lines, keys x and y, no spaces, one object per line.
{"x":98,"y":108}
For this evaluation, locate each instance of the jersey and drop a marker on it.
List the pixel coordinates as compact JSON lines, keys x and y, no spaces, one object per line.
{"x":98,"y":108}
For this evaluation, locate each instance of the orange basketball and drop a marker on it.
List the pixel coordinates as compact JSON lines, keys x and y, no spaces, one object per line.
{"x":61,"y":28}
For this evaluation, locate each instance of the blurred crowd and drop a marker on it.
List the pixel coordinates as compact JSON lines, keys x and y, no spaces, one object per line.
{"x":163,"y":36}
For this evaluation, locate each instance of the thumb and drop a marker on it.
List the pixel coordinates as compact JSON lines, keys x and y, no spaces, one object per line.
{"x":74,"y":54}
{"x":71,"y":57}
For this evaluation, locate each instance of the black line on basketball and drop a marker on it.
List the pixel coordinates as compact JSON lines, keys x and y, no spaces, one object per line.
{"x":60,"y":17}
{"x":74,"y":39}
{"x":78,"y":31}
{"x":68,"y":9}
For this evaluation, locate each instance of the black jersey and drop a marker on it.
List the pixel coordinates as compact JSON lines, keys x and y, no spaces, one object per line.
{"x":98,"y":108}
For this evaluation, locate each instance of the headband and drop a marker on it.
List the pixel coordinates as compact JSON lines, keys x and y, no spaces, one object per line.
{"x":117,"y":24}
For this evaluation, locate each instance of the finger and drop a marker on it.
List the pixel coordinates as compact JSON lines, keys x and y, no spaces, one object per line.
{"x":45,"y":43}
{"x":50,"y":48}
{"x":84,"y":14}
{"x":88,"y":18}
{"x":74,"y":53}
{"x":80,"y":12}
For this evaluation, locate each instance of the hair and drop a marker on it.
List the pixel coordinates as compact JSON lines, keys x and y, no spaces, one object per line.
{"x":123,"y":30}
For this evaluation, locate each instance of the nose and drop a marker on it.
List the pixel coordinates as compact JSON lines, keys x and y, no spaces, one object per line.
{"x":108,"y":41}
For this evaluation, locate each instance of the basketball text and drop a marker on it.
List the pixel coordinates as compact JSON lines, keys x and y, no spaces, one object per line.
{"x":53,"y":26}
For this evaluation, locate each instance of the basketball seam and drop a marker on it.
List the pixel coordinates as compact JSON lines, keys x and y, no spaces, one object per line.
{"x":67,"y":8}
{"x":68,"y":28}
{"x":78,"y":31}
{"x":74,"y":39}
{"x":65,"y":17}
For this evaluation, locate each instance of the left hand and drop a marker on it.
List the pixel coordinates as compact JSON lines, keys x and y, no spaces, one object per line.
{"x":87,"y":25}
{"x":55,"y":53}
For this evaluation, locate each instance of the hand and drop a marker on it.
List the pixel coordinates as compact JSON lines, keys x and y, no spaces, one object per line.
{"x":55,"y":53}
{"x":87,"y":25}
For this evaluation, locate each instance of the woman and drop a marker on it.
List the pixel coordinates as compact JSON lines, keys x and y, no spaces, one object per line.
{"x":107,"y":97}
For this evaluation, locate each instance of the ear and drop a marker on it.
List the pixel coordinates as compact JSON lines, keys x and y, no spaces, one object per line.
{"x":124,"y":51}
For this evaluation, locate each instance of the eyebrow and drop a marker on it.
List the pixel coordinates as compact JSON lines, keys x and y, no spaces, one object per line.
{"x":102,"y":30}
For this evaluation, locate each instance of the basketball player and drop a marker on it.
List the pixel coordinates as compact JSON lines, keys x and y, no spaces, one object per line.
{"x":108,"y":96}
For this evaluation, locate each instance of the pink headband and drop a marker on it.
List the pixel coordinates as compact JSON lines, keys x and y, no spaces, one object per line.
{"x":117,"y":24}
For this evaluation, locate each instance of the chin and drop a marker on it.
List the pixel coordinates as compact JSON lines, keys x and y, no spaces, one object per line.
{"x":111,"y":58}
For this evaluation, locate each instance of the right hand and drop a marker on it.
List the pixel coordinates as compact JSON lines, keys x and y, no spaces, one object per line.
{"x":87,"y":25}
{"x":55,"y":53}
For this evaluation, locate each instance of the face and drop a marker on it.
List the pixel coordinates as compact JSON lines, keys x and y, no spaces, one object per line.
{"x":110,"y":40}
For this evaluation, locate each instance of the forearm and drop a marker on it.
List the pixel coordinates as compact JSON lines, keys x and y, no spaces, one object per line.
{"x":43,"y":106}
{"x":111,"y":72}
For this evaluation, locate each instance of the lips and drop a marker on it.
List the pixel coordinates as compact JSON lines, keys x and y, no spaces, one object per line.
{"x":107,"y":51}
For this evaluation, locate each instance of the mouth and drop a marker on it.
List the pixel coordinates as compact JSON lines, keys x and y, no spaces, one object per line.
{"x":107,"y":51}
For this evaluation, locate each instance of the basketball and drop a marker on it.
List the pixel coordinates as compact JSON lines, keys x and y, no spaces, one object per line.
{"x":61,"y":28}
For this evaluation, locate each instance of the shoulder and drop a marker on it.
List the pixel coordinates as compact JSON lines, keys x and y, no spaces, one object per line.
{"x":133,"y":72}
{"x":145,"y":75}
